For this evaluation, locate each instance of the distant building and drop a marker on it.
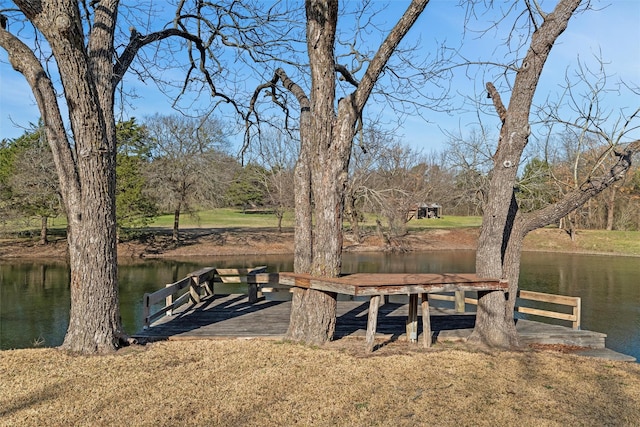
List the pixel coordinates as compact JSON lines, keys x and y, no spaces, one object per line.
{"x":425,"y":210}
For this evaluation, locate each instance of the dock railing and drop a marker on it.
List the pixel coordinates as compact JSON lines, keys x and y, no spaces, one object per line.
{"x":201,"y":283}
{"x":523,"y":302}
{"x":196,"y":282}
{"x":573,"y":302}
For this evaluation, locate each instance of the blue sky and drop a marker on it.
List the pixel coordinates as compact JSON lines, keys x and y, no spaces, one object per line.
{"x":613,"y":30}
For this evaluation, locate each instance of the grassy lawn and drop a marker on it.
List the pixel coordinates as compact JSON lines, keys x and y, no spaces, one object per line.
{"x":445,"y":222}
{"x":273,"y":383}
{"x":227,"y":217}
{"x":596,"y":241}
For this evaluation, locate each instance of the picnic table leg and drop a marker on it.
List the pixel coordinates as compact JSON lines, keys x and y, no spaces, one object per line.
{"x":426,"y":322}
{"x":372,"y":321}
{"x":412,"y":319}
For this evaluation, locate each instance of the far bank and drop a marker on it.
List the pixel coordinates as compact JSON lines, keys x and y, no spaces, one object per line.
{"x":229,"y":241}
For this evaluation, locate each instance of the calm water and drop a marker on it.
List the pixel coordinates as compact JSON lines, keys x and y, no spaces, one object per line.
{"x":34,"y":296}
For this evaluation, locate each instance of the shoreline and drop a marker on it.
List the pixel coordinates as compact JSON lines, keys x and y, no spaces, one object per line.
{"x":214,"y":242}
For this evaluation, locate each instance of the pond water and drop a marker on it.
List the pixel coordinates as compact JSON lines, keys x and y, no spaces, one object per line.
{"x":34,"y":296}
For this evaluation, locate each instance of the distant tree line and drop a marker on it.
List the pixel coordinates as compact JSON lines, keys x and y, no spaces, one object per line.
{"x":177,"y":165}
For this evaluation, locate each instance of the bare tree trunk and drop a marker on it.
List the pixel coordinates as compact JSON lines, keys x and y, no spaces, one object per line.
{"x":175,"y":236}
{"x":94,"y":321}
{"x":86,"y":171}
{"x":570,"y":226}
{"x":611,"y":207}
{"x":354,"y":220}
{"x":498,"y":239}
{"x":321,"y":171}
{"x":43,"y":230}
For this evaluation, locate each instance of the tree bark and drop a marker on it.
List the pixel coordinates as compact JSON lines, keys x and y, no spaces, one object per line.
{"x":43,"y":230}
{"x":321,"y":171}
{"x":611,"y":206}
{"x":86,"y":163}
{"x":495,"y":324}
{"x":87,"y":176}
{"x":176,"y":225}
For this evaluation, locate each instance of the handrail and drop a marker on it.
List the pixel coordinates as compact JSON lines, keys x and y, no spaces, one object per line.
{"x":574,"y":302}
{"x":201,"y":283}
{"x":195,"y":281}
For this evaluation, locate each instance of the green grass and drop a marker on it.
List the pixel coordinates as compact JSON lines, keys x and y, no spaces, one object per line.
{"x":622,"y":242}
{"x":428,"y":223}
{"x":222,"y":218}
{"x":28,"y":227}
{"x":597,"y":241}
{"x":445,"y":222}
{"x":229,"y":217}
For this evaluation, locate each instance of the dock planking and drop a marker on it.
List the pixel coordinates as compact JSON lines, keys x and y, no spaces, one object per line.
{"x":233,"y":316}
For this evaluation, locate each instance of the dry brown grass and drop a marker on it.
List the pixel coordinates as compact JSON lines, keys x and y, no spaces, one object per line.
{"x":264,"y":383}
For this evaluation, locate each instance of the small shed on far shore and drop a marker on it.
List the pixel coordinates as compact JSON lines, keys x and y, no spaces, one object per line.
{"x":431,"y":210}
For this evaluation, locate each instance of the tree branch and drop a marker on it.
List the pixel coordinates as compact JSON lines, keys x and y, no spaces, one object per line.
{"x":497,"y":101}
{"x":388,"y":47}
{"x":138,"y":41}
{"x":576,"y":198}
{"x":346,"y":74}
{"x":290,"y":85}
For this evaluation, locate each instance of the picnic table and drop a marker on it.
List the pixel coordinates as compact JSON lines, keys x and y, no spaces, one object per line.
{"x":377,"y":285}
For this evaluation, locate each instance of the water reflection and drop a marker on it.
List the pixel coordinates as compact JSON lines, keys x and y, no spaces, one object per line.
{"x":34,"y":296}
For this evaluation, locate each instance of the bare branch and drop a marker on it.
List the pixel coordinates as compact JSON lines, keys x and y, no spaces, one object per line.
{"x":25,"y":62}
{"x":576,"y":198}
{"x":346,"y":75}
{"x":497,"y":101}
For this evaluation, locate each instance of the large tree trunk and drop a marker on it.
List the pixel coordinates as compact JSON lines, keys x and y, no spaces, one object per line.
{"x":94,"y":323}
{"x":321,"y":171}
{"x":498,"y":240}
{"x":86,"y":169}
{"x":313,"y":312}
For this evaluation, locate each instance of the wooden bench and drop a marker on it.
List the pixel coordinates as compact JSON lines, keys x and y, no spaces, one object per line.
{"x":378,"y":285}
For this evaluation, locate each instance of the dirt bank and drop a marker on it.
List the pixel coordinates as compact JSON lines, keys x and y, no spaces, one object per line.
{"x":244,"y":241}
{"x":253,"y":241}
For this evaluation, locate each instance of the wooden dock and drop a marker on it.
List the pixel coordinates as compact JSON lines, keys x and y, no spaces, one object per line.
{"x":233,"y":316}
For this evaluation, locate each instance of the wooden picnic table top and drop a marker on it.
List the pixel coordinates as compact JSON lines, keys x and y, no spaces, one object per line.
{"x":393,"y":283}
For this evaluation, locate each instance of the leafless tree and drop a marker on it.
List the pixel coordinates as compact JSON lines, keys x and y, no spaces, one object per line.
{"x":189,"y":167}
{"x":504,"y":224}
{"x":400,"y":183}
{"x":331,"y":106}
{"x":277,"y":152}
{"x":469,"y":156}
{"x":590,"y":134}
{"x":94,"y":44}
{"x":33,"y":183}
{"x":360,"y":195}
